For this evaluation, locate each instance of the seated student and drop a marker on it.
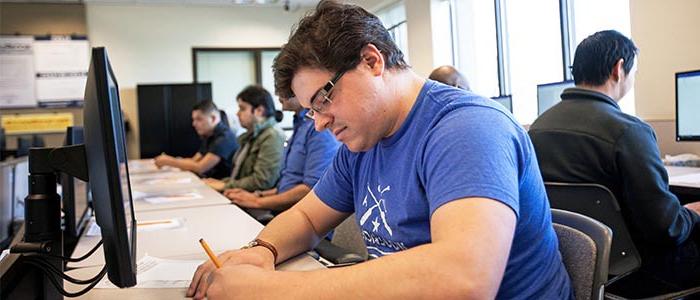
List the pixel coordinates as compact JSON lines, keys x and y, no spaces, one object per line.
{"x":257,"y":164}
{"x":450,"y":76}
{"x":307,"y":155}
{"x":444,"y":183}
{"x":213,"y":159}
{"x":586,"y":138}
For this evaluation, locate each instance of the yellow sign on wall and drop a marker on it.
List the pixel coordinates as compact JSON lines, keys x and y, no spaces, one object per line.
{"x":36,"y":123}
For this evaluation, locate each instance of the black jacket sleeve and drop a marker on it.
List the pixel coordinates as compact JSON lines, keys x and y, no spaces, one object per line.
{"x":653,"y":209}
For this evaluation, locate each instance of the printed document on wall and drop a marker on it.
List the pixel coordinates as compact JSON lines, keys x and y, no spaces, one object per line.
{"x":61,"y":64}
{"x":17,"y":72}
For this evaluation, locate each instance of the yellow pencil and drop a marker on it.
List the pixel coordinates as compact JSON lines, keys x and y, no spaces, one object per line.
{"x":210,"y":253}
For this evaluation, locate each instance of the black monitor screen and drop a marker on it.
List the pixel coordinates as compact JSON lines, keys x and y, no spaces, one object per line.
{"x":550,"y":93}
{"x":108,"y":170}
{"x":506,"y":101}
{"x":688,"y":106}
{"x":75,"y":191}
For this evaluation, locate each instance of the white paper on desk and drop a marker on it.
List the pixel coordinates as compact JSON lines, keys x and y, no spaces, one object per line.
{"x":137,"y":178}
{"x":156,"y":225}
{"x":93,"y":229}
{"x":689,"y":179}
{"x":165,"y":199}
{"x":4,"y":253}
{"x":165,"y":181}
{"x":153,"y":272}
{"x":145,"y":169}
{"x":143,"y":226}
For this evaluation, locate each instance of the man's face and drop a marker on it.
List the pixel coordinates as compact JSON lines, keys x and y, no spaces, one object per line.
{"x":357,"y":114}
{"x":203,"y":123}
{"x":245,"y":114}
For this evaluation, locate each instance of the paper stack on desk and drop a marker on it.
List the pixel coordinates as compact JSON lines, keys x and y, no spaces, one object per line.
{"x":165,"y":197}
{"x":153,"y":272}
{"x":143,"y":226}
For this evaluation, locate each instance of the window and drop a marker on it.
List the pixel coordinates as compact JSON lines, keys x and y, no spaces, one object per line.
{"x":589,"y":18}
{"x":441,"y":19}
{"x":475,"y":45}
{"x":230,"y":70}
{"x":534,"y":36}
{"x":394,"y":19}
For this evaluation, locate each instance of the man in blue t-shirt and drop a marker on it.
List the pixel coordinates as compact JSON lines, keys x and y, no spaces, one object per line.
{"x":444,"y":183}
{"x":307,"y":155}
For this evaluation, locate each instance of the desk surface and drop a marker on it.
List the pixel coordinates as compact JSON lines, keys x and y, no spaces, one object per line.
{"x":223,"y":227}
{"x":172,"y":182}
{"x":687,"y":177}
{"x":300,"y":263}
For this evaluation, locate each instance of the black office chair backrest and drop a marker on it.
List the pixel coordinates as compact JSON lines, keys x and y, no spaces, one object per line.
{"x":597,"y":202}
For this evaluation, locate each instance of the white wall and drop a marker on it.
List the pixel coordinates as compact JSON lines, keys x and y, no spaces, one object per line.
{"x":153,"y":43}
{"x":420,"y":38}
{"x":668,"y":36}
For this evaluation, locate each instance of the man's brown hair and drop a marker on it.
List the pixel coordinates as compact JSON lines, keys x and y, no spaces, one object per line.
{"x":331,"y":38}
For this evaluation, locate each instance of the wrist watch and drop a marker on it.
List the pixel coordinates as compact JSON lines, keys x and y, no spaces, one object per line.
{"x":261,"y":243}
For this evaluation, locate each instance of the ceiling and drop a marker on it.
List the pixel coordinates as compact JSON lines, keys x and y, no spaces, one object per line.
{"x":291,"y":3}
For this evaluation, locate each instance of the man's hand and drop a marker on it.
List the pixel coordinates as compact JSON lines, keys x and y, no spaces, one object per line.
{"x":163,"y":160}
{"x":214,"y":183}
{"x":259,"y":257}
{"x":242,"y":198}
{"x":694,"y":206}
{"x":240,"y":282}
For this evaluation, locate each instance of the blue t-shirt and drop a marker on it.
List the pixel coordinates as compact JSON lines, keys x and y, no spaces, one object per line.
{"x":307,"y":154}
{"x":452,"y":145}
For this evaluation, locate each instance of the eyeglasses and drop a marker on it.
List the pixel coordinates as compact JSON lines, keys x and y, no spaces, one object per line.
{"x":321,"y":100}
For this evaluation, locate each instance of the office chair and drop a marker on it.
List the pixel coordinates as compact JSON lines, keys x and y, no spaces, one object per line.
{"x":584,"y":244}
{"x":346,"y":247}
{"x":598,"y":202}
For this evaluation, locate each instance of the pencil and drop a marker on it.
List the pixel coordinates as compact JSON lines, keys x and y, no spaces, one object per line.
{"x":210,"y":253}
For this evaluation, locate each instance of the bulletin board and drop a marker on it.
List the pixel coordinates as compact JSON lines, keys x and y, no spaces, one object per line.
{"x":43,"y":71}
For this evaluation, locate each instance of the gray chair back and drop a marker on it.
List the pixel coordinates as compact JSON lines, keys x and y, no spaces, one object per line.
{"x":347,"y":235}
{"x":598,"y":202}
{"x":584,"y":244}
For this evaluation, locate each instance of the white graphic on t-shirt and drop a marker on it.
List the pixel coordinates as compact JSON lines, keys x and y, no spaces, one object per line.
{"x":380,"y":205}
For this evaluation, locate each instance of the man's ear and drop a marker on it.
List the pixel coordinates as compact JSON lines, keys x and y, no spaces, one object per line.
{"x":373,"y":58}
{"x":618,"y":70}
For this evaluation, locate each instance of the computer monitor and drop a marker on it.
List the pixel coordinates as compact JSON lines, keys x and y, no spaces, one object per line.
{"x":74,"y":191}
{"x":688,"y":106}
{"x":108,"y":171}
{"x":506,"y":101}
{"x":3,"y":144}
{"x":6,"y":201}
{"x":549,"y":94}
{"x":21,"y":187}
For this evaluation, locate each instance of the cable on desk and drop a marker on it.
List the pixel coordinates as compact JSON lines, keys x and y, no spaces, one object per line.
{"x":33,"y":260}
{"x":58,"y":286}
{"x":79,"y":259}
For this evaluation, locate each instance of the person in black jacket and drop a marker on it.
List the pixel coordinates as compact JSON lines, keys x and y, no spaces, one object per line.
{"x":214,"y":157}
{"x":586,"y":138}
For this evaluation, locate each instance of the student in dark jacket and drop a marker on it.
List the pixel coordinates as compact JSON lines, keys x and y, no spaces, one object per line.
{"x":586,"y":138}
{"x":213,"y":159}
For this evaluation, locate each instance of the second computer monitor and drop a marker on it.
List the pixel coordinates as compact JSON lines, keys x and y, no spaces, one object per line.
{"x":688,"y":106}
{"x":74,"y":191}
{"x":506,"y":101}
{"x":549,"y":94}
